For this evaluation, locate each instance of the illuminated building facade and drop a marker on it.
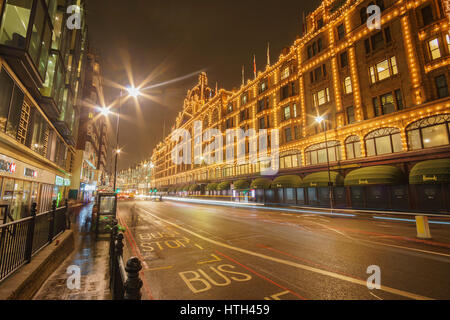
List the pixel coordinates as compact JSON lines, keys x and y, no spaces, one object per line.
{"x":384,"y":96}
{"x":89,"y":174}
{"x":41,"y":62}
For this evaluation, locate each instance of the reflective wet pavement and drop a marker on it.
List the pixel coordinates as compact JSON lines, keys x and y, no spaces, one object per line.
{"x":90,"y":256}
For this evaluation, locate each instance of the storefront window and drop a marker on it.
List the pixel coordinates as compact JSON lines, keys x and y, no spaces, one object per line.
{"x":353,"y":147}
{"x":17,"y":200}
{"x":16,"y":17}
{"x":430,"y":132}
{"x":317,"y":154}
{"x":383,"y":141}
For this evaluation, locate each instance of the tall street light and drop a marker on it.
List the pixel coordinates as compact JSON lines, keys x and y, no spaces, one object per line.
{"x":134,"y":93}
{"x":320,"y":120}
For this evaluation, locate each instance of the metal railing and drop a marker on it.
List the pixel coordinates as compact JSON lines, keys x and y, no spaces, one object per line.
{"x":124,"y":283}
{"x":21,"y":240}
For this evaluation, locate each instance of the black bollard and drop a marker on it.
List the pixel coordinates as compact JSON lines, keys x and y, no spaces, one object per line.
{"x":133,"y":284}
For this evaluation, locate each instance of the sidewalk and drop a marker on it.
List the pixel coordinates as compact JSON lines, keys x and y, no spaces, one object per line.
{"x":91,"y":256}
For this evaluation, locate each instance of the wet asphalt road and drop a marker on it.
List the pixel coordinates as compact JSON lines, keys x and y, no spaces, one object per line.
{"x":203,"y":252}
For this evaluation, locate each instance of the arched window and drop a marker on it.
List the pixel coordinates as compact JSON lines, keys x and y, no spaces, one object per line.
{"x":317,"y":154}
{"x":429,"y":132}
{"x":383,"y":141}
{"x":353,"y":147}
{"x":291,"y":159}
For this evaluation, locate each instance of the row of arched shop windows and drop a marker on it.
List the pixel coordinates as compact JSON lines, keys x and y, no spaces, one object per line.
{"x":426,"y":133}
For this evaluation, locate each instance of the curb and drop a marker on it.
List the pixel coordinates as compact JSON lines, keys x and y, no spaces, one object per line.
{"x":26,"y":282}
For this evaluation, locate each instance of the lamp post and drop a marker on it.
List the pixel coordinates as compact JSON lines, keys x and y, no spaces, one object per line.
{"x":132,"y":92}
{"x":320,"y":120}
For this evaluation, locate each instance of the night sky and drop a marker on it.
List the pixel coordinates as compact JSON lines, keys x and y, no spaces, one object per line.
{"x":172,"y":39}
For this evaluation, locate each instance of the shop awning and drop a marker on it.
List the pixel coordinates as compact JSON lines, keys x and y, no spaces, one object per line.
{"x":431,"y":172}
{"x":387,"y":175}
{"x":194,"y":187}
{"x":223,"y":186}
{"x":322,"y":179}
{"x":212,"y":186}
{"x":291,"y":181}
{"x":261,"y":183}
{"x":241,"y":185}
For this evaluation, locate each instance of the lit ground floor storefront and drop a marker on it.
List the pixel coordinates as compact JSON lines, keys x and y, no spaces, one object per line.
{"x":412,"y":181}
{"x":23,"y":183}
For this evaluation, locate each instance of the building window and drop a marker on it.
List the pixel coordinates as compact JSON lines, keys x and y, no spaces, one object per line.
{"x":284,"y":93}
{"x":291,"y":160}
{"x":297,"y":132}
{"x":286,"y":113}
{"x":262,"y":123}
{"x":427,"y":15}
{"x":353,"y":147}
{"x":435,"y":51}
{"x":429,"y":132}
{"x":321,"y":97}
{"x":285,"y":73}
{"x":383,"y":70}
{"x":230,"y":108}
{"x":11,"y":101}
{"x":344,"y":59}
{"x":348,"y":85}
{"x":317,"y":154}
{"x":318,"y":74}
{"x":447,"y":38}
{"x":40,"y":136}
{"x":244,"y":99}
{"x":16,"y":18}
{"x":377,"y":41}
{"x":288,"y":134}
{"x":441,"y":86}
{"x":399,"y":99}
{"x":263,"y":86}
{"x":320,"y":23}
{"x":315,"y":48}
{"x":388,"y":103}
{"x":350,"y":115}
{"x":341,"y":31}
{"x":383,"y":141}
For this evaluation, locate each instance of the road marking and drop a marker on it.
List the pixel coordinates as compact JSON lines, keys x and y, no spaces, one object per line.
{"x":199,"y":246}
{"x":136,"y":250}
{"x":384,"y":244}
{"x":216,"y":259}
{"x":277,"y":296}
{"x":294,"y":264}
{"x":160,"y":268}
{"x":261,"y":276}
{"x":375,"y":296}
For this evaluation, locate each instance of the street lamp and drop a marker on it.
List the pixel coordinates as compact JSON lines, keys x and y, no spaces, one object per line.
{"x":320,"y":120}
{"x":132,"y":92}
